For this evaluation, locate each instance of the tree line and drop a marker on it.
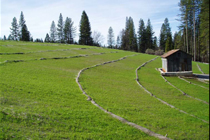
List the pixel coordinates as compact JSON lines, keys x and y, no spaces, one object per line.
{"x":192,"y":36}
{"x":19,"y":31}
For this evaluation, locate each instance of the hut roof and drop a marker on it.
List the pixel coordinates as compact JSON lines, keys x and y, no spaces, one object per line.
{"x":169,"y":53}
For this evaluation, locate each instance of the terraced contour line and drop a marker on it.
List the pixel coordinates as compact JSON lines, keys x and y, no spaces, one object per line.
{"x":192,"y":83}
{"x":200,"y":69}
{"x":76,"y":56}
{"x":164,"y":102}
{"x":145,"y":130}
{"x":47,"y":51}
{"x":185,"y":94}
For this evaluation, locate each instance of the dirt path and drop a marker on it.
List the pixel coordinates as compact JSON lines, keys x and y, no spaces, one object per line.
{"x":164,"y":102}
{"x":145,"y":130}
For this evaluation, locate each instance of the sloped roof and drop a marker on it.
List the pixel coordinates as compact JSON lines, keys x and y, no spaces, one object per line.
{"x":169,"y":53}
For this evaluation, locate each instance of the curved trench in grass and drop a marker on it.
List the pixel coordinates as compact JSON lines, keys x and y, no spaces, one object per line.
{"x":185,"y":94}
{"x":145,"y":130}
{"x":164,"y":102}
{"x":200,"y":69}
{"x":192,"y":83}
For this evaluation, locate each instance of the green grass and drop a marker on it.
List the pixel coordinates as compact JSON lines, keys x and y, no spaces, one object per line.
{"x":195,"y":68}
{"x":151,"y":80}
{"x":43,"y":101}
{"x":196,"y":81}
{"x":192,"y":90}
{"x":25,"y":47}
{"x":113,"y":86}
{"x":204,"y":67}
{"x":31,"y":56}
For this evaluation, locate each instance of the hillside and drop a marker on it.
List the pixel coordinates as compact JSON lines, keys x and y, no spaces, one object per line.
{"x":41,"y":95}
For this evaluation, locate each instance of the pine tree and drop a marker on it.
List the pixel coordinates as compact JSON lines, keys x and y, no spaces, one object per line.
{"x":132,"y":35}
{"x":47,"y":38}
{"x":31,"y":39}
{"x":118,"y":42}
{"x":21,"y":24}
{"x":167,"y":48}
{"x":162,"y":37}
{"x":129,"y":37}
{"x":124,"y":38}
{"x":142,"y":36}
{"x":69,"y":31}
{"x":25,"y":35}
{"x":60,"y":27}
{"x":5,"y":38}
{"x":179,"y":40}
{"x":155,"y":43}
{"x":14,"y":29}
{"x":149,"y":35}
{"x":204,"y":30}
{"x":10,"y":37}
{"x":165,"y":33}
{"x":85,"y":30}
{"x":183,"y":4}
{"x":53,"y":33}
{"x":110,"y":37}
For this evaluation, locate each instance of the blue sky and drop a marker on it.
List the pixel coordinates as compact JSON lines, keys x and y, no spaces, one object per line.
{"x":102,"y":14}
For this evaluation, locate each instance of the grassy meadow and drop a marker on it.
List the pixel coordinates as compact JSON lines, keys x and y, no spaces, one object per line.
{"x":40,"y":99}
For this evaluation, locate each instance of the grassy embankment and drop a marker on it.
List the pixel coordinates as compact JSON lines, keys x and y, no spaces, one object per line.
{"x":40,"y":99}
{"x":152,"y":80}
{"x":204,"y":68}
{"x":113,"y":86}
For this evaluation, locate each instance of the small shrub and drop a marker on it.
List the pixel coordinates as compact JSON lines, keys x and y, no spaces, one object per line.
{"x":150,"y":51}
{"x":159,"y":52}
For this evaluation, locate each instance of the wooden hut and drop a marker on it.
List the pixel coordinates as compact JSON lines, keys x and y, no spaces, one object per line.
{"x":176,"y":61}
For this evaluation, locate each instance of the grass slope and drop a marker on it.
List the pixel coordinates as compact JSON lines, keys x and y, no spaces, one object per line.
{"x":40,"y":99}
{"x":151,"y":79}
{"x":196,"y":81}
{"x":26,"y":47}
{"x":192,"y":90}
{"x":113,"y":86}
{"x":204,"y":67}
{"x":195,"y":68}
